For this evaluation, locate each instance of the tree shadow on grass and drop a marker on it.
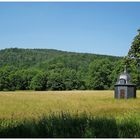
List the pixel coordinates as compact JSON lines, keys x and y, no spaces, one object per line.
{"x":67,"y":126}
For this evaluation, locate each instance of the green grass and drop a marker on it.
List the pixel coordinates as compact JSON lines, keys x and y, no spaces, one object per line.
{"x":67,"y":126}
{"x":68,"y":114}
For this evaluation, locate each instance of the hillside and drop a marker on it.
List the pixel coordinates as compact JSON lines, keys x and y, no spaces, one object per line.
{"x":47,"y":69}
{"x":36,"y":57}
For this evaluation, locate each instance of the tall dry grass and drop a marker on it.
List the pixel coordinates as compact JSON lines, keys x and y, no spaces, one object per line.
{"x":33,"y":104}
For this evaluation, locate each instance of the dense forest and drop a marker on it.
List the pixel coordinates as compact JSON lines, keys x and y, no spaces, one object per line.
{"x":46,"y":69}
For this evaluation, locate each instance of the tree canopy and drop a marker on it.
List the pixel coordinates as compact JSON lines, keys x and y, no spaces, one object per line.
{"x":134,"y":51}
{"x":44,"y":69}
{"x":133,"y":60}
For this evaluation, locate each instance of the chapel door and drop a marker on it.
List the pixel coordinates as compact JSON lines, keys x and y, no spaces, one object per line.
{"x":122,"y":93}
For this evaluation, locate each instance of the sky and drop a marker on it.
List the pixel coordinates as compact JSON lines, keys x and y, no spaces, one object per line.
{"x":88,"y":27}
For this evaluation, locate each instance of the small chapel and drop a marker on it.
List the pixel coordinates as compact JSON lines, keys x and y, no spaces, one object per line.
{"x":124,"y":89}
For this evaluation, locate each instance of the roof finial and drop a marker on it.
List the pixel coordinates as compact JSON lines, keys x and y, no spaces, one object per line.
{"x":125,"y":69}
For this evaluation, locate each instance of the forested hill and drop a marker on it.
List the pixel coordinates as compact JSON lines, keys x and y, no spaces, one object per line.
{"x":46,"y":69}
{"x":25,"y":58}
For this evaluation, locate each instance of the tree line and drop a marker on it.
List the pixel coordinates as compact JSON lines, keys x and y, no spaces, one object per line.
{"x":100,"y":74}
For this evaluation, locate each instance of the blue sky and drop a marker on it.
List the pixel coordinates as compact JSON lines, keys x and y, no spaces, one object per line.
{"x":101,"y":28}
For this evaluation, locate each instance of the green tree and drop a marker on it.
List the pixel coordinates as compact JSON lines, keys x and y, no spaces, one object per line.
{"x":134,"y":51}
{"x":72,"y":80}
{"x":27,"y":76}
{"x":5,"y":83}
{"x":133,"y":60}
{"x":21,"y":79}
{"x":99,"y":74}
{"x":39,"y":82}
{"x":55,"y":81}
{"x":16,"y":80}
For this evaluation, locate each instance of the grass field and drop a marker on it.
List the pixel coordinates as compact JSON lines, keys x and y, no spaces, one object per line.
{"x":31,"y":104}
{"x":16,"y":107}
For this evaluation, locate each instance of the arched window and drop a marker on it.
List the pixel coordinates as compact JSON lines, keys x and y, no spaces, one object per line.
{"x":122,"y":81}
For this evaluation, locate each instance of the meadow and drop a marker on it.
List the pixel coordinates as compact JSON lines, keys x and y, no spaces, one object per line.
{"x":68,"y":114}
